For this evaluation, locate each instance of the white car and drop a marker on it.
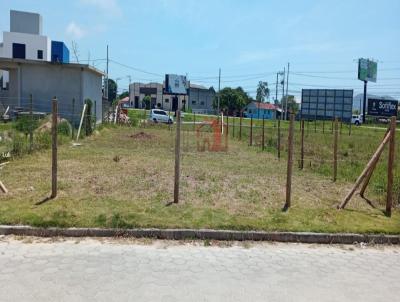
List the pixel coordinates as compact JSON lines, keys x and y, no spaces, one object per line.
{"x":356,"y":119}
{"x":160,"y":116}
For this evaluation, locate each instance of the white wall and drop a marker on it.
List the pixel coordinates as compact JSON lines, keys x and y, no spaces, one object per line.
{"x":33,"y":44}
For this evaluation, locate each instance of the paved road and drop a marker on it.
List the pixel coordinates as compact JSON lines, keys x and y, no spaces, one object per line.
{"x":93,"y":270}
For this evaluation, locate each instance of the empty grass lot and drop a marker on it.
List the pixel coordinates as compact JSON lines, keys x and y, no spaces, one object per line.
{"x":121,"y":178}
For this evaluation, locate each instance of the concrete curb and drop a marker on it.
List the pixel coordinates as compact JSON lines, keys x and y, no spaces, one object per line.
{"x":203,"y":234}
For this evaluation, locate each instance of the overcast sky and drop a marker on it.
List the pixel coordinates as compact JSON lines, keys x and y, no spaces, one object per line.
{"x":249,"y":40}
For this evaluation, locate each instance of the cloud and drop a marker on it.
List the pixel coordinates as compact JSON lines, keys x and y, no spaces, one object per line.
{"x":75,"y":31}
{"x":109,"y":7}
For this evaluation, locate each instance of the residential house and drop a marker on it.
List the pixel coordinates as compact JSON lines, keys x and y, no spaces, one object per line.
{"x":258,"y":110}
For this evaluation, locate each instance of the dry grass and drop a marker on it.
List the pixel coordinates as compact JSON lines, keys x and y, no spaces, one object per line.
{"x":239,"y":189}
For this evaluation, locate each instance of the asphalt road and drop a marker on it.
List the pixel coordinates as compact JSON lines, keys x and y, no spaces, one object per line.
{"x":123,"y":270}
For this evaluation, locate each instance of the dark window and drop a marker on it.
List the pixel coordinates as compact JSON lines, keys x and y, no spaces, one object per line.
{"x":193,"y":102}
{"x":147,"y":90}
{"x":202,"y":103}
{"x":40,"y":54}
{"x":19,"y":51}
{"x":166,"y":101}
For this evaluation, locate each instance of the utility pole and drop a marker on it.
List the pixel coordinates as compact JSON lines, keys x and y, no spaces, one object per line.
{"x":287,"y":91}
{"x":106,"y":88}
{"x":276,"y":90}
{"x":283,"y":90}
{"x":219,"y":90}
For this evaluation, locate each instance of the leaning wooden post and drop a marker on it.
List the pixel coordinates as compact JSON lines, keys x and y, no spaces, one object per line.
{"x":263,"y":135}
{"x":54,"y":149}
{"x":371,"y":170}
{"x":177,"y":156}
{"x":251,"y":131}
{"x":31,"y":123}
{"x":302,"y":145}
{"x":279,"y":139}
{"x":365,"y":171}
{"x":289,"y":164}
{"x":240,"y":125}
{"x":389,"y":196}
{"x":335,"y":149}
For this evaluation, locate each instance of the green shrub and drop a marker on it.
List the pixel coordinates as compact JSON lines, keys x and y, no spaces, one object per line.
{"x":19,"y":145}
{"x":24,"y":124}
{"x":64,"y":128}
{"x":42,"y":140}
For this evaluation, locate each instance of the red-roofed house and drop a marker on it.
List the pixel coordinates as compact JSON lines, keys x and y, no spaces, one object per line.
{"x":261,"y":110}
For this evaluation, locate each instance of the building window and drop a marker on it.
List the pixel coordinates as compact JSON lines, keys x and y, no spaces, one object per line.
{"x":202,"y":103}
{"x":166,"y":101}
{"x":40,"y":54}
{"x":19,"y":51}
{"x":193,"y":102}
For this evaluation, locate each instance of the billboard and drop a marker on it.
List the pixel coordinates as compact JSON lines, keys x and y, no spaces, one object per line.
{"x":380,"y":107}
{"x":367,"y":70}
{"x":176,"y":84}
{"x":326,"y":104}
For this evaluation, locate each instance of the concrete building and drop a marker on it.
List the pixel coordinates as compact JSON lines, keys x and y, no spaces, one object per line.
{"x":259,"y":110}
{"x":32,"y":64}
{"x":25,"y":39}
{"x":199,"y":98}
{"x":44,"y":80}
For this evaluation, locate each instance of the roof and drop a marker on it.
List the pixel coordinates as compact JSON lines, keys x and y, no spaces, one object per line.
{"x":266,"y":106}
{"x":198,"y":86}
{"x":8,"y":61}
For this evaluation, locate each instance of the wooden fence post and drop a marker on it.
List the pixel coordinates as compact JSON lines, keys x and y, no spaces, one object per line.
{"x":54,"y":149}
{"x":31,"y":123}
{"x":389,"y":196}
{"x":233,"y":127}
{"x":263,"y":134}
{"x":302,"y":145}
{"x":279,"y":139}
{"x":194,"y":121}
{"x":240,"y":125}
{"x":289,"y":164}
{"x":335,"y":149}
{"x":177,"y":156}
{"x":251,"y":131}
{"x":350,"y":128}
{"x":227,"y":124}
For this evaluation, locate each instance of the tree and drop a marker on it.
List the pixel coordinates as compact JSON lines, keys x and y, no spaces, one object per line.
{"x":112,"y":90}
{"x":231,"y":99}
{"x":147,"y":101}
{"x":124,"y":94}
{"x":262,"y":92}
{"x":293,"y":106}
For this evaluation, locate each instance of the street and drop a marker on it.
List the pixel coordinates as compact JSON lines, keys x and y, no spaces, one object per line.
{"x":34,"y":269}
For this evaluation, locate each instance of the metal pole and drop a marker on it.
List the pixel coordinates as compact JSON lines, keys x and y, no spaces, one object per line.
{"x":364,"y":101}
{"x":263,"y":134}
{"x":73,"y":118}
{"x":335,"y":150}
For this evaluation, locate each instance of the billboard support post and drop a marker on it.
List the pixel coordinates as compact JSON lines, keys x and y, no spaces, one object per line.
{"x":364,"y":101}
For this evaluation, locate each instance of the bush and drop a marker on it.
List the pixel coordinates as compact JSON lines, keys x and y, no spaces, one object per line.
{"x":64,"y":128}
{"x":24,"y":124}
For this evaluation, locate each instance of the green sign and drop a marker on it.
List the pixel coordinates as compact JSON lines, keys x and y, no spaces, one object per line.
{"x":367,"y":70}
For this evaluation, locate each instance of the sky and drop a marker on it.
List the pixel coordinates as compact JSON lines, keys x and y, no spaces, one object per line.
{"x":249,"y":40}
